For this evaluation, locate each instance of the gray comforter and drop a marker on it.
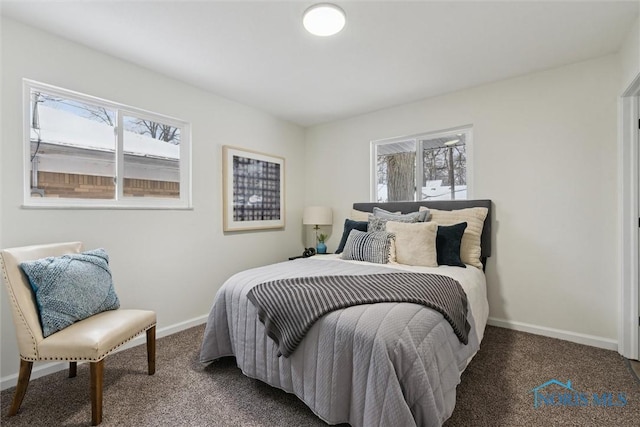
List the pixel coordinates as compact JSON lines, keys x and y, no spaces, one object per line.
{"x":385,"y":364}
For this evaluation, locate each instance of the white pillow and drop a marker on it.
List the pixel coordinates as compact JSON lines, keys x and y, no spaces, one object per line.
{"x":415,"y":243}
{"x":470,"y":250}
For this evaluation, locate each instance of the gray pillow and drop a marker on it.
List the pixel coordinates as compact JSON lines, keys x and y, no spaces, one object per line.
{"x":71,"y":287}
{"x":380,"y":224}
{"x":371,"y":246}
{"x":421,"y":215}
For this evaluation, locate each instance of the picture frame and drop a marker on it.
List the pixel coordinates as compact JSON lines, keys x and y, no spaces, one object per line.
{"x":253,"y":190}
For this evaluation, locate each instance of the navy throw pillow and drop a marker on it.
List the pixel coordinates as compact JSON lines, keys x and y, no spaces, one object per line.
{"x":349,"y":225}
{"x":448,"y":242}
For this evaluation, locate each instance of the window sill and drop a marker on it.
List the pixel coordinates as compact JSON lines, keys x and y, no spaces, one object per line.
{"x":97,"y":206}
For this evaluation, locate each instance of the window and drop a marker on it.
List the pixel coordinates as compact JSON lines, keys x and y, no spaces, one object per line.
{"x":82,"y":151}
{"x":430,"y":166}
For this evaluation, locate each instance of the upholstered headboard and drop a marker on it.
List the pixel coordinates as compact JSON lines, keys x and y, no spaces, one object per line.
{"x":445,"y":205}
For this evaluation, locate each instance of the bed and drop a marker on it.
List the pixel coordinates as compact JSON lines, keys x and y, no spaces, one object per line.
{"x":386,"y":364}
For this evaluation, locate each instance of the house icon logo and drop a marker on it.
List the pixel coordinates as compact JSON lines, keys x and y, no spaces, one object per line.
{"x":539,"y":397}
{"x":563,"y":394}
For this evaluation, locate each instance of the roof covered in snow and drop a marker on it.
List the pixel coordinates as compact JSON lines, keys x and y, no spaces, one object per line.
{"x":60,"y":127}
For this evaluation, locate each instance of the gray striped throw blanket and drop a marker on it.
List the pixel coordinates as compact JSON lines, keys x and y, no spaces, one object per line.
{"x":289,"y":307}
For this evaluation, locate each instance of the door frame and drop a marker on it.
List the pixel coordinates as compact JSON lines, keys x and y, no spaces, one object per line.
{"x":628,"y":201}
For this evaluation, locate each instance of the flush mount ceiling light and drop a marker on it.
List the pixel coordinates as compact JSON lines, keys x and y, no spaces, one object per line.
{"x":324,"y":19}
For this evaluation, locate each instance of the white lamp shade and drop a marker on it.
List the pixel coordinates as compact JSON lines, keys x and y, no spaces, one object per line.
{"x":317,"y":215}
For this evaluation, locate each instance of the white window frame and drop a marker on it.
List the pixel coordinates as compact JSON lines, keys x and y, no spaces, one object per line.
{"x":119,"y":201}
{"x":418,"y":138}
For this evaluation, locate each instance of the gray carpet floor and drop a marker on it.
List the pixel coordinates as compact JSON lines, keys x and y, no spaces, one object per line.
{"x":495,"y":389}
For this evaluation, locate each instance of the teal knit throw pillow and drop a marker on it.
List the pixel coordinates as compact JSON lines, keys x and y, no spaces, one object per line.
{"x":71,"y":287}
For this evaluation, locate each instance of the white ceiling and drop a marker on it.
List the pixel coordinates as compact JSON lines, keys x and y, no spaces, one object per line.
{"x":389,"y":53}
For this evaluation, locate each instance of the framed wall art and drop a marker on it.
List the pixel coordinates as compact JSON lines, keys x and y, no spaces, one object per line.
{"x":253,"y":193}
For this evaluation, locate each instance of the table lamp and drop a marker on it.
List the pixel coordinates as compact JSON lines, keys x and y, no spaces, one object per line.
{"x":317,"y":216}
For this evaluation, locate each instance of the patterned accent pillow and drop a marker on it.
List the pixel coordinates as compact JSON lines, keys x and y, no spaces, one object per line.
{"x":371,"y":246}
{"x":71,"y":287}
{"x":380,"y":224}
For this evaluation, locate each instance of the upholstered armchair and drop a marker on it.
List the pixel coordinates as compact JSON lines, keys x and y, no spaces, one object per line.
{"x":89,"y":340}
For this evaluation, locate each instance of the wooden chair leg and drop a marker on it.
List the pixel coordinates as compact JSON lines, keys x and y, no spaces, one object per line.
{"x":73,"y":369}
{"x":151,"y":350}
{"x":97,"y":374}
{"x":21,"y":388}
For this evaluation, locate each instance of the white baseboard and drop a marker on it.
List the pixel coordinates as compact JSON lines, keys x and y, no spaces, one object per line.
{"x":576,"y":337}
{"x":49,"y":368}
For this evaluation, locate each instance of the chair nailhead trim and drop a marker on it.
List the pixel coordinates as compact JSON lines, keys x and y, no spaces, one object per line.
{"x":16,"y":307}
{"x":102,"y":356}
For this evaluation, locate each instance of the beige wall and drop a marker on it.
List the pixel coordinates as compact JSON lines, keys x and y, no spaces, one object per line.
{"x":171,"y":261}
{"x":544,"y":150}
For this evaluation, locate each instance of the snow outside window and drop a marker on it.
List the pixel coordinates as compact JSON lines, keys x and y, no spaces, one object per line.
{"x":431,"y":166}
{"x":82,"y":151}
